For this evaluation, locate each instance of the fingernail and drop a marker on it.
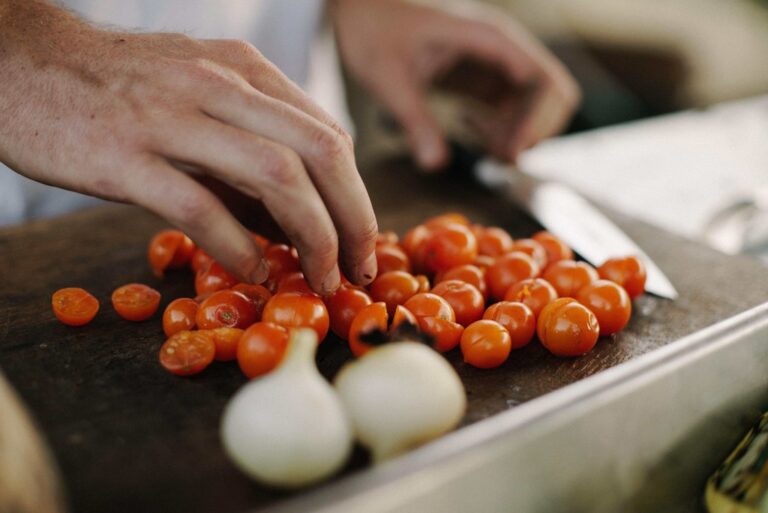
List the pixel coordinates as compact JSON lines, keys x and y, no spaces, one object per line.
{"x":367,"y":270}
{"x":428,"y":153}
{"x":332,"y":281}
{"x":261,"y":273}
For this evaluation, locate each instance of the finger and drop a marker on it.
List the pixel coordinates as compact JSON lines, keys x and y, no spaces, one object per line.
{"x":171,"y":194}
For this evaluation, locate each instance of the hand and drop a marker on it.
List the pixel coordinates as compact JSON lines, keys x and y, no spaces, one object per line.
{"x":121,"y":115}
{"x":398,"y":50}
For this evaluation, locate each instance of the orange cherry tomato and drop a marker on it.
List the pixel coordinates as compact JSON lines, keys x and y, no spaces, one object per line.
{"x":258,"y":295}
{"x":533,"y":249}
{"x":371,"y":318}
{"x":629,"y":272}
{"x":569,"y":277}
{"x":402,"y":314}
{"x":493,"y":241}
{"x":448,"y":246}
{"x":423,"y":283}
{"x":609,"y":302}
{"x":394,"y":288}
{"x":226,"y":309}
{"x":213,"y":278}
{"x":445,"y":334}
{"x":387,"y":237}
{"x":535,"y":293}
{"x":261,"y":348}
{"x":282,"y":259}
{"x":74,"y":306}
{"x":484,"y":262}
{"x":179,"y":315}
{"x":343,"y":306}
{"x":467,"y":302}
{"x":294,"y":282}
{"x":294,"y":310}
{"x":507,"y":270}
{"x":468,"y":273}
{"x":447,"y":219}
{"x":414,"y":244}
{"x":135,"y":301}
{"x":169,"y":249}
{"x":200,"y":260}
{"x":567,"y":328}
{"x":391,"y":257}
{"x":262,"y":241}
{"x":556,"y":249}
{"x":516,"y":318}
{"x":426,"y":304}
{"x":485,"y":344}
{"x":187,"y":352}
{"x":226,"y":341}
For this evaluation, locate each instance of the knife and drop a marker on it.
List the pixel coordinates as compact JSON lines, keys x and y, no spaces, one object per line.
{"x":572,"y":218}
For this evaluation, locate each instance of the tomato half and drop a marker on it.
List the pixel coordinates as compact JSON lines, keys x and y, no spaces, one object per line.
{"x":567,"y":328}
{"x":294,"y":310}
{"x":609,"y":302}
{"x":187,"y":352}
{"x":261,"y":348}
{"x":74,"y":306}
{"x":629,"y":272}
{"x":135,"y":301}
{"x":485,"y":344}
{"x":226,"y":309}
{"x":343,"y":305}
{"x":370,"y":318}
{"x":169,"y":249}
{"x":179,"y":315}
{"x":516,"y":318}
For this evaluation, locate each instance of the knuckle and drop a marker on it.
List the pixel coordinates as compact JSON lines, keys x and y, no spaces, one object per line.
{"x":201,"y":71}
{"x":280,"y":166}
{"x":242,"y":49}
{"x":329,"y":145}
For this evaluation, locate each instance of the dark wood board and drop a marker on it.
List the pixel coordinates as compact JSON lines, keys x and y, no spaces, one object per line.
{"x":129,"y":437}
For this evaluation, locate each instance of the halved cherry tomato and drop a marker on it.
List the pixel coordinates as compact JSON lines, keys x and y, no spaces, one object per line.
{"x":448,"y":246}
{"x":371,"y":318}
{"x":493,"y":241}
{"x":629,"y":272}
{"x":609,"y":302}
{"x":169,"y":249}
{"x":467,"y":302}
{"x":74,"y":306}
{"x":343,"y":305}
{"x":394,"y":288}
{"x":485,"y":344}
{"x":135,"y":301}
{"x":445,"y":334}
{"x":446,"y":219}
{"x":179,"y":315}
{"x":391,"y":257}
{"x":469,"y":273}
{"x":294,"y":310}
{"x":516,"y":318}
{"x":294,"y":282}
{"x":567,"y":328}
{"x":535,"y":293}
{"x":226,"y":341}
{"x":261,"y":348}
{"x":569,"y":277}
{"x":426,"y":304}
{"x":556,"y":249}
{"x":402,"y":314}
{"x":200,"y":260}
{"x":258,"y":295}
{"x":532,"y":249}
{"x":226,"y":309}
{"x":187,"y":352}
{"x":213,"y":278}
{"x":507,"y":270}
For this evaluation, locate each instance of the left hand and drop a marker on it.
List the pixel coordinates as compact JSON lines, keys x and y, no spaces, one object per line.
{"x":397,"y":50}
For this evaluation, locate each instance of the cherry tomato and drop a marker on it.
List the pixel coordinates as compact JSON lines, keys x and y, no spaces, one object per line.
{"x":485,"y":344}
{"x":629,"y":272}
{"x":535,"y":293}
{"x":423,"y":283}
{"x":343,"y":305}
{"x":294,"y":310}
{"x":294,"y":282}
{"x":226,"y":309}
{"x":169,"y":249}
{"x":414,"y":244}
{"x":468,"y":273}
{"x":135,"y":302}
{"x":226,"y":341}
{"x":187,"y":352}
{"x":467,"y":302}
{"x":533,"y":249}
{"x":262,"y":241}
{"x":569,"y":277}
{"x":507,"y":270}
{"x":426,"y":304}
{"x":447,"y":219}
{"x":213,"y":278}
{"x":567,"y":328}
{"x":282,"y":259}
{"x":516,"y":318}
{"x":74,"y":306}
{"x":391,"y":257}
{"x":394,"y":288}
{"x":609,"y":302}
{"x":556,"y":249}
{"x":445,"y":334}
{"x":179,"y":315}
{"x":493,"y":241}
{"x":402,"y":314}
{"x":483,"y":262}
{"x":371,"y":318}
{"x":258,"y":295}
{"x":200,"y":260}
{"x":449,"y":246}
{"x":261,"y":348}
{"x":387,"y":237}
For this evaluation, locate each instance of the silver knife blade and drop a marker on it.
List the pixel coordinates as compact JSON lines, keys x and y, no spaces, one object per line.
{"x":572,"y":218}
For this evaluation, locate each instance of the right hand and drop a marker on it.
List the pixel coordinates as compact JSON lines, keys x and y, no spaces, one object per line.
{"x":120,"y":115}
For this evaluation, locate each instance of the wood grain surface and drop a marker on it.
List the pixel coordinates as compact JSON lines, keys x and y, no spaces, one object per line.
{"x":130,"y":437}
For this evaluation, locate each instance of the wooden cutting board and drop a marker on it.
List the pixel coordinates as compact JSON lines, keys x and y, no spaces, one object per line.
{"x":130,"y":437}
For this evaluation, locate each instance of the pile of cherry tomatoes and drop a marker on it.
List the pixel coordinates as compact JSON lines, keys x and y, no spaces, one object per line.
{"x":459,"y":283}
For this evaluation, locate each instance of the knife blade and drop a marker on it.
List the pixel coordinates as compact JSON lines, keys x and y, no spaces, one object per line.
{"x":572,"y":218}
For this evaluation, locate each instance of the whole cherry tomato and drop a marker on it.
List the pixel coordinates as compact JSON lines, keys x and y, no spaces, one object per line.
{"x":516,"y":318}
{"x":447,"y":219}
{"x":414,"y":245}
{"x":187,"y":352}
{"x":169,"y":249}
{"x":261,"y":348}
{"x":258,"y":295}
{"x":262,"y":241}
{"x":569,"y":277}
{"x":448,"y":246}
{"x":609,"y":302}
{"x":556,"y":249}
{"x":343,"y":305}
{"x":485,"y":344}
{"x":535,"y":293}
{"x":282,"y":259}
{"x":74,"y":306}
{"x":226,"y":309}
{"x":370,"y":318}
{"x":445,"y":334}
{"x":493,"y":241}
{"x":135,"y":301}
{"x":507,"y":270}
{"x":294,"y":310}
{"x":226,"y":341}
{"x":294,"y":282}
{"x":213,"y":278}
{"x":467,"y":302}
{"x":200,"y":260}
{"x":179,"y":315}
{"x":391,"y":257}
{"x":387,"y":237}
{"x":533,"y":249}
{"x":629,"y":272}
{"x":484,"y":262}
{"x":567,"y":328}
{"x":468,"y":273}
{"x":426,"y":304}
{"x":394,"y":288}
{"x":423,"y":283}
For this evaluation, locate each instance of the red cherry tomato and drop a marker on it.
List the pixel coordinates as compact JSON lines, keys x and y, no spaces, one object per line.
{"x":261,"y":348}
{"x":609,"y":302}
{"x":567,"y":328}
{"x":507,"y":270}
{"x":343,"y":305}
{"x":282,"y":259}
{"x":493,"y":241}
{"x":391,"y":257}
{"x":294,"y":310}
{"x":262,"y":241}
{"x":294,"y":282}
{"x":387,"y":237}
{"x":226,"y":309}
{"x":448,"y":246}
{"x":258,"y":295}
{"x":179,"y":315}
{"x":394,"y":288}
{"x":516,"y":318}
{"x":426,"y":304}
{"x":445,"y":334}
{"x":447,"y":219}
{"x":200,"y":260}
{"x":468,"y":273}
{"x":74,"y":306}
{"x":569,"y":277}
{"x":213,"y":278}
{"x":629,"y":272}
{"x":485,"y":344}
{"x":535,"y":293}
{"x":423,"y":283}
{"x":467,"y":302}
{"x":226,"y":341}
{"x":556,"y":249}
{"x":371,"y":318}
{"x":169,"y":249}
{"x":135,"y":301}
{"x":187,"y":352}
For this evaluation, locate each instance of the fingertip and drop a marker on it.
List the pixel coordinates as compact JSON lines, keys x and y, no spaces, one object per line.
{"x":431,"y":152}
{"x":261,"y":273}
{"x":367,"y":270}
{"x":332,"y":282}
